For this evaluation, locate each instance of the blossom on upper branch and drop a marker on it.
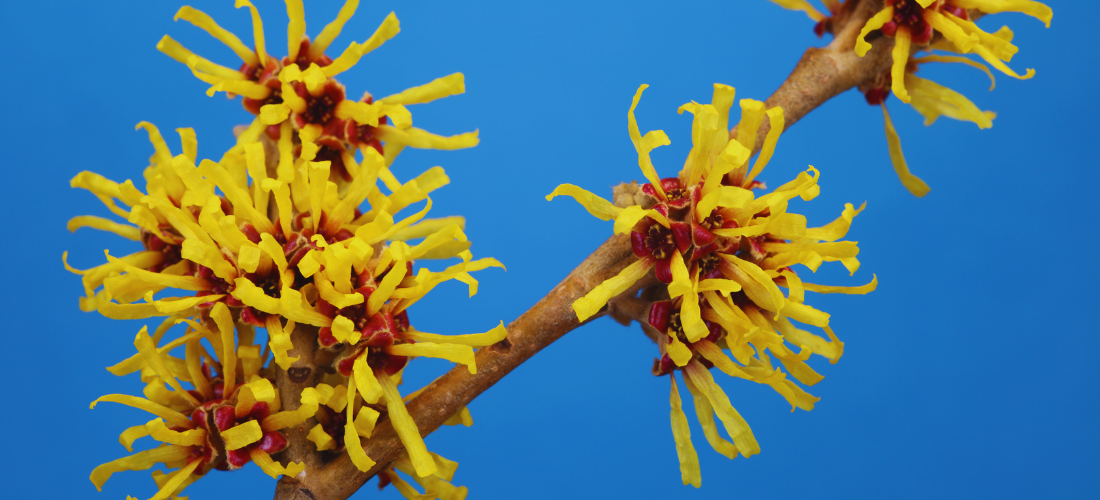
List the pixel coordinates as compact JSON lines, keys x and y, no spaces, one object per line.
{"x":724,"y":253}
{"x":912,"y":21}
{"x":917,"y":21}
{"x":301,"y":88}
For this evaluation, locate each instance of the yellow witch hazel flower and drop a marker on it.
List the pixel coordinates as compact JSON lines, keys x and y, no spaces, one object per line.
{"x":301,"y":88}
{"x":231,"y":416}
{"x":281,"y":247}
{"x":724,"y":253}
{"x":915,"y":22}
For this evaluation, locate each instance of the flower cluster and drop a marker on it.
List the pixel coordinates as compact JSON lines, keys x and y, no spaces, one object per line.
{"x":914,"y":25}
{"x":721,"y":254}
{"x":297,"y":229}
{"x":300,"y":90}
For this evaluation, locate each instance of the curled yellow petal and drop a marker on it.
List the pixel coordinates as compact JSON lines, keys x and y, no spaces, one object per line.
{"x":681,"y":433}
{"x":591,"y":303}
{"x":804,"y":6}
{"x":173,"y":417}
{"x":474,"y":339}
{"x":406,"y":428}
{"x":875,"y":22}
{"x":139,"y":461}
{"x":597,"y":206}
{"x":439,"y":88}
{"x":242,"y":435}
{"x":1029,"y":7}
{"x":911,"y":182}
{"x":124,"y":230}
{"x":203,"y":21}
{"x":457,"y":353}
{"x":735,"y":425}
{"x":273,"y":468}
{"x":902,"y":41}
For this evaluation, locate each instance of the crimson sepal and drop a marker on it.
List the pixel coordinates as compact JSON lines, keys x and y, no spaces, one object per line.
{"x":272,"y":442}
{"x":250,"y":317}
{"x":658,"y":315}
{"x":394,"y":364}
{"x":224,"y":417}
{"x":715,"y":331}
{"x":700,"y":235}
{"x":637,"y":243}
{"x":402,"y":320}
{"x":379,"y":331}
{"x":260,"y":410}
{"x":325,"y":338}
{"x":237,"y":458}
{"x":923,"y":36}
{"x":344,"y":365}
{"x":663,"y":366}
{"x":663,"y":270}
{"x":681,"y":232}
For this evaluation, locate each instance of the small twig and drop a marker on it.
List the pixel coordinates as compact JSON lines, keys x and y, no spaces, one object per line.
{"x":823,"y":73}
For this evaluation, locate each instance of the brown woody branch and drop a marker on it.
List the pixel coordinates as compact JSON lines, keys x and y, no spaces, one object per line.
{"x":822,"y":74}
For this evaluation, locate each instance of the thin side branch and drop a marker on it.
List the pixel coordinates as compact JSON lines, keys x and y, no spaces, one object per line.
{"x":820,"y":75}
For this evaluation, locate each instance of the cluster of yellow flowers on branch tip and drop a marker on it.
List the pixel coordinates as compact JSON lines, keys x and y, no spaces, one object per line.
{"x":301,"y":88}
{"x":914,"y":23}
{"x":722,"y":253}
{"x":286,"y":238}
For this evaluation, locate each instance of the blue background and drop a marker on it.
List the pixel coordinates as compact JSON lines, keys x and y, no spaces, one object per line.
{"x":970,"y":372}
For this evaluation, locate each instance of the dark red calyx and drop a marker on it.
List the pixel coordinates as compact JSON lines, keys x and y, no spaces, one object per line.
{"x":272,"y":442}
{"x":325,"y":338}
{"x":320,"y":109}
{"x":251,"y":317}
{"x":756,"y":248}
{"x":923,"y":36}
{"x":637,"y":243}
{"x":700,"y":235}
{"x":365,"y":279}
{"x":225,"y":417}
{"x":341,"y":235}
{"x":958,"y":12}
{"x":819,"y":28}
{"x":876,"y":96}
{"x":250,"y":232}
{"x":303,"y":60}
{"x":709,"y":266}
{"x":663,"y":270}
{"x":910,"y":14}
{"x":681,"y":232}
{"x":237,"y":458}
{"x":715,"y":331}
{"x":260,"y":410}
{"x":676,"y":194}
{"x":379,"y":331}
{"x":658,"y":315}
{"x":198,"y":417}
{"x":345,"y":366}
{"x":219,"y":390}
{"x":663,"y":366}
{"x":657,"y":240}
{"x":327,"y":309}
{"x":394,"y":364}
{"x":402,"y":320}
